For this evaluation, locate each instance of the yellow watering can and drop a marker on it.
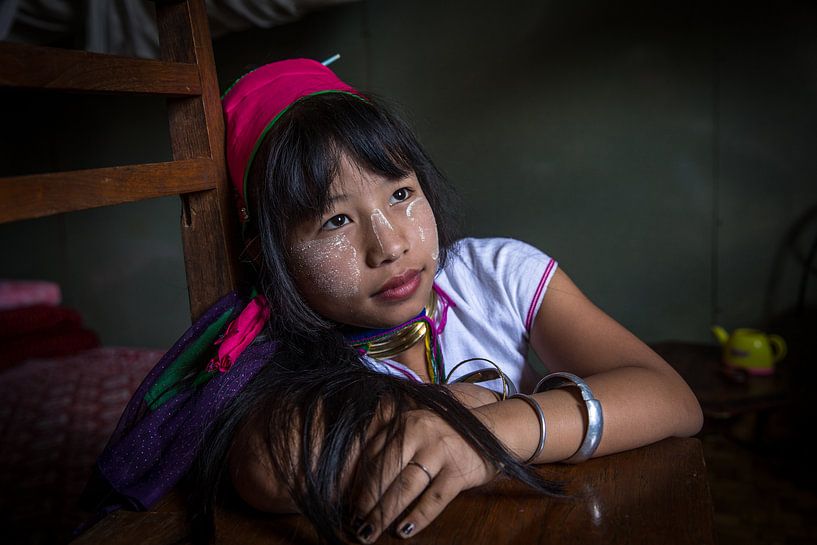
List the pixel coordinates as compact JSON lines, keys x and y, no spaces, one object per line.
{"x":750,"y":350}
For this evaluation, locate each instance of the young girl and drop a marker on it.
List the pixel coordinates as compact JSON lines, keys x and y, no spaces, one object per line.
{"x":374,"y":374}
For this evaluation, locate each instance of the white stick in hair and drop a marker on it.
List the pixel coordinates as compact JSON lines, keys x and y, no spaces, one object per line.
{"x":331,"y":59}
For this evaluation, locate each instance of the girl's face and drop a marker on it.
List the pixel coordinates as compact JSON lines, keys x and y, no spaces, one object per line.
{"x":370,"y":260}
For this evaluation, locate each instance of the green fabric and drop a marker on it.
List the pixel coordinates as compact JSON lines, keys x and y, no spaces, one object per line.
{"x":194,"y":357}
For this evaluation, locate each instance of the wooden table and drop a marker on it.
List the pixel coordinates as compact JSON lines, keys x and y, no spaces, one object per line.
{"x":654,"y":494}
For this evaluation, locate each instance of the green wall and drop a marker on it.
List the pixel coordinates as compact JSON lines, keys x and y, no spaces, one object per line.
{"x":662,"y":155}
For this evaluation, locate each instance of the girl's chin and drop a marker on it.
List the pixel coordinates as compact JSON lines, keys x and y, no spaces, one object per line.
{"x":392,"y":319}
{"x":381,"y":315}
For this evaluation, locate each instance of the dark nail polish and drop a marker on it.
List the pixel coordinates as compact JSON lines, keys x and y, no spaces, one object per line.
{"x":365,"y":532}
{"x":407,"y":529}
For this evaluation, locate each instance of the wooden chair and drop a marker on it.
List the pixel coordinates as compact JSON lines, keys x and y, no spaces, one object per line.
{"x":186,"y":76}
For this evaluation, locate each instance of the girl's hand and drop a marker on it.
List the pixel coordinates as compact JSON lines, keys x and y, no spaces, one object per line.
{"x":425,"y":469}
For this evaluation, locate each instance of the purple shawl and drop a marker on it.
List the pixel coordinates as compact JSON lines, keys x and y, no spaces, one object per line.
{"x":164,"y":424}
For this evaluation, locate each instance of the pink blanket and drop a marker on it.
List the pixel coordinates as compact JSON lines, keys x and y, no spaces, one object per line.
{"x":23,"y":293}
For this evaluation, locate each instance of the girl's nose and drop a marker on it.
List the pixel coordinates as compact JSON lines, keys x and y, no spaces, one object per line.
{"x":388,"y":241}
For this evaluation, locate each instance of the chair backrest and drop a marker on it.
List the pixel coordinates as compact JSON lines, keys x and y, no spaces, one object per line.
{"x":185,"y":75}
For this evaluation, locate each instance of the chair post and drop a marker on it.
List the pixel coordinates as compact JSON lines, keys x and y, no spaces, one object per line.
{"x":209,"y":224}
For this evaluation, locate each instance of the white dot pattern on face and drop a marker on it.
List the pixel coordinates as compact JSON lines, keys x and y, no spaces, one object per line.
{"x":330,"y":264}
{"x":377,"y":218}
{"x":424,"y":216}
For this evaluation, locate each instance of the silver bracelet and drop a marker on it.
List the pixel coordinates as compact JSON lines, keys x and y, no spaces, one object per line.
{"x":485,"y":375}
{"x":595,"y":418}
{"x":542,"y":428}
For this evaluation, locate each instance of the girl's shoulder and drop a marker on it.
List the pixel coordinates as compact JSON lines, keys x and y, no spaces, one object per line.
{"x":492,"y":255}
{"x":497,"y":273}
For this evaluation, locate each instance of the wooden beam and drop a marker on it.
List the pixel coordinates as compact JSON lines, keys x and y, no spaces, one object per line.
{"x":33,"y":196}
{"x":56,"y":69}
{"x":209,"y":223}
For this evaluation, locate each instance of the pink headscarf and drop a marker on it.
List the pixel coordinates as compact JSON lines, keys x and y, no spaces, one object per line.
{"x":254,"y":103}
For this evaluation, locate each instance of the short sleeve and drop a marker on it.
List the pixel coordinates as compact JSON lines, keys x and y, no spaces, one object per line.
{"x":509,"y":272}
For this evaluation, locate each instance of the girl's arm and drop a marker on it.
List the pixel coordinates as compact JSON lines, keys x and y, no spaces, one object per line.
{"x":643,"y":400}
{"x":472,"y":395}
{"x":250,"y":467}
{"x":251,"y":471}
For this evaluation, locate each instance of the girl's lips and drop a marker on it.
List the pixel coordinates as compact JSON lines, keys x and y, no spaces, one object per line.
{"x":400,"y":287}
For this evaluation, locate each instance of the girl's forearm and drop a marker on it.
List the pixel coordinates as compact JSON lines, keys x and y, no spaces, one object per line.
{"x":640,"y":406}
{"x":471,"y":395}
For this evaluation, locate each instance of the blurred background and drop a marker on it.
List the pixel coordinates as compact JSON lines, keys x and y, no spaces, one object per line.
{"x":664,"y":153}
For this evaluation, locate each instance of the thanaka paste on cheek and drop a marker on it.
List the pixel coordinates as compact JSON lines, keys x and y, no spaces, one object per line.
{"x":420,"y":214}
{"x":329,"y":265}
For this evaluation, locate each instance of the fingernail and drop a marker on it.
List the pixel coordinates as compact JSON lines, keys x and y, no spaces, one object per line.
{"x":365,"y":532}
{"x":357,"y":521}
{"x":407,"y":529}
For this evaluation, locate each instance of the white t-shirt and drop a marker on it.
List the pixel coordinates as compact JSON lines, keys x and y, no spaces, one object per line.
{"x":496,"y":286}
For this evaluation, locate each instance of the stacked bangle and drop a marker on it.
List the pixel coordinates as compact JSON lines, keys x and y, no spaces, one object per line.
{"x":485,"y":375}
{"x":595,"y":418}
{"x":542,"y":429}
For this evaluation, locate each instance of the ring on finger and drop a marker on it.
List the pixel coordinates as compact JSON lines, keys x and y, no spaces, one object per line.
{"x":421,"y":466}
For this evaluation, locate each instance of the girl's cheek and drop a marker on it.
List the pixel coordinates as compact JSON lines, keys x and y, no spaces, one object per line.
{"x":327,"y":266}
{"x":421,"y":216}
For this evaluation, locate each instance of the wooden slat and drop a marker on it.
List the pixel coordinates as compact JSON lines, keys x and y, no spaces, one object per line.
{"x":38,"y":195}
{"x":51,"y":68}
{"x":209,"y":223}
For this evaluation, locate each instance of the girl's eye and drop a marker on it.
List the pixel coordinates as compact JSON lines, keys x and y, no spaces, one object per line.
{"x":335,"y":222}
{"x":400,"y":195}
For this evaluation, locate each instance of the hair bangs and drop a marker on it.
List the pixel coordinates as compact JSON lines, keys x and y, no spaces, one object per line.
{"x":374,"y":143}
{"x":305,"y":166}
{"x":314,"y":136}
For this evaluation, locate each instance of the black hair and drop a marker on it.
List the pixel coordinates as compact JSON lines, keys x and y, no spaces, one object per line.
{"x":315,"y":382}
{"x":295,"y":165}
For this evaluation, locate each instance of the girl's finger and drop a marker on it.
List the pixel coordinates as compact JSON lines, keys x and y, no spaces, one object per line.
{"x":383,"y":463}
{"x":376,"y":437}
{"x":373,"y":443}
{"x":431,"y":503}
{"x":410,"y":483}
